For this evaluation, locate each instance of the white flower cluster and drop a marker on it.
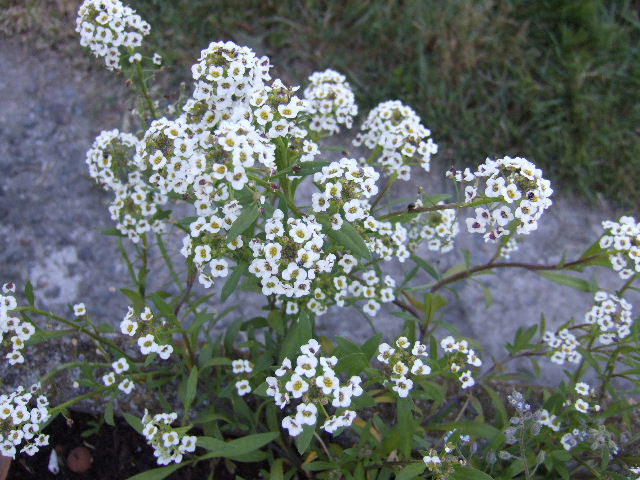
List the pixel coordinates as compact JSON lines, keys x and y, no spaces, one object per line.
{"x":622,"y":241}
{"x":344,"y":186}
{"x":106,"y":26}
{"x":287,"y":261}
{"x":169,"y":445}
{"x":242,"y":367}
{"x":336,"y":288}
{"x":442,"y":464}
{"x":205,"y":164}
{"x":120,"y":367}
{"x":546,"y":419}
{"x":19,"y":423}
{"x":564,"y":345}
{"x":397,"y":132}
{"x":508,"y":248}
{"x":13,"y":331}
{"x":135,"y":206}
{"x":438,"y":229}
{"x":400,"y":362}
{"x":517,"y":193}
{"x":313,"y":381}
{"x":612,"y":317}
{"x":225,"y":77}
{"x":331,"y":102}
{"x":460,"y":354}
{"x":207,"y":243}
{"x":139,"y":323}
{"x":107,"y":157}
{"x":276,"y":112}
{"x":585,"y":392}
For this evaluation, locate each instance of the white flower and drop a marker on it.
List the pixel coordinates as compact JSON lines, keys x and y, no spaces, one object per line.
{"x":402,"y":386}
{"x":126,"y":386}
{"x":79,"y":309}
{"x":243,"y":387}
{"x":306,"y":414}
{"x":147,"y":344}
{"x":292,"y":426}
{"x":296,"y":386}
{"x":121,"y":365}
{"x":128,"y":327}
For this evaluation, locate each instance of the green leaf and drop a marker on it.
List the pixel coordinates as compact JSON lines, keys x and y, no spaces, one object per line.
{"x":405,"y":425}
{"x":568,"y":280}
{"x":426,"y":266}
{"x":190,"y":389}
{"x":348,"y":237}
{"x":276,"y":470}
{"x":108,"y":413}
{"x":303,"y":440}
{"x":216,"y":362}
{"x":112,"y":231}
{"x":236,"y":447}
{"x":413,"y":470}
{"x":28,"y":293}
{"x":232,"y":282}
{"x":158,"y":473}
{"x":469,"y":473}
{"x":244,"y":221}
{"x":309,"y":168}
{"x":134,"y":422}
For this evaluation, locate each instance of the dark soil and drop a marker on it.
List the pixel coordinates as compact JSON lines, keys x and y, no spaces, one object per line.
{"x":119,"y":452}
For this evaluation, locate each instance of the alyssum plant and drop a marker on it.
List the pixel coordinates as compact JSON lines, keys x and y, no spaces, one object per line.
{"x":269,"y":214}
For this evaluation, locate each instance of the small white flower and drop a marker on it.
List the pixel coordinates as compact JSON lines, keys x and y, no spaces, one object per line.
{"x":79,"y":309}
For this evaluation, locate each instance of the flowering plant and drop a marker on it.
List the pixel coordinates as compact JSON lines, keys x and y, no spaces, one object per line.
{"x":235,"y":189}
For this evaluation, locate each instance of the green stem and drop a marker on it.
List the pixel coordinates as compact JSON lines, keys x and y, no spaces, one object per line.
{"x":390,"y":181}
{"x":144,"y":90}
{"x":167,"y":259}
{"x":98,"y":338}
{"x":435,"y":208}
{"x":63,"y":406}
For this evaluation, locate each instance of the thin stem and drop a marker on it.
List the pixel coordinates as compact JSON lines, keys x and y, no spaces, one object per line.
{"x":435,"y":208}
{"x":390,"y":181}
{"x":529,"y":266}
{"x":324,"y":447}
{"x":59,"y":408}
{"x":167,"y":259}
{"x":191,"y":277}
{"x":75,"y":326}
{"x":145,"y":91}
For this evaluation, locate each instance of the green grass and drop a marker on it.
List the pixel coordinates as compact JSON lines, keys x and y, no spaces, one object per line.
{"x":556,"y":81}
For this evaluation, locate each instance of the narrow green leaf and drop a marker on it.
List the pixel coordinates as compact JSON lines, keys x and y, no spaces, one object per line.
{"x":134,"y":422}
{"x":426,"y":266}
{"x":411,"y":471}
{"x":244,"y":221}
{"x":28,"y":293}
{"x":568,"y":280}
{"x":232,"y":282}
{"x":303,"y":440}
{"x":236,"y":447}
{"x":469,"y":473}
{"x":309,"y":168}
{"x":158,"y":473}
{"x":112,"y":231}
{"x":108,"y":413}
{"x":190,"y":389}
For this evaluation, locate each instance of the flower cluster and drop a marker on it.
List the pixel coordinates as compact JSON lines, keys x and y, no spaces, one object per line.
{"x":585,"y":392}
{"x":107,"y":26}
{"x":241,"y":368}
{"x":331,"y":102}
{"x":344,"y":186}
{"x":120,"y":367}
{"x":136,"y":324}
{"x":564,"y":345}
{"x":396,"y":132}
{"x":510,"y":246}
{"x":611,"y":316}
{"x":135,"y":206}
{"x":19,"y":423}
{"x":622,"y":241}
{"x":400,"y":362}
{"x":312,"y":382}
{"x":443,"y":464}
{"x":13,"y":331}
{"x":459,"y":355}
{"x":225,"y":77}
{"x":516,"y":193}
{"x":169,"y":444}
{"x":207,"y":243}
{"x":287,"y":261}
{"x":370,"y":289}
{"x":108,"y":157}
{"x":438,"y":229}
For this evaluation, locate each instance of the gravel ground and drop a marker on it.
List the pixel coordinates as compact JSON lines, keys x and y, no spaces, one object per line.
{"x":51,"y":215}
